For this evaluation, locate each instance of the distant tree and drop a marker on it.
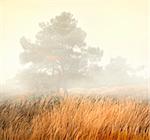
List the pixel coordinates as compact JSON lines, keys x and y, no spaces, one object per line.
{"x":117,"y":71}
{"x":60,"y":51}
{"x":118,"y":65}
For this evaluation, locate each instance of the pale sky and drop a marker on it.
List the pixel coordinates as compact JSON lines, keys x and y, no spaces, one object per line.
{"x":119,"y":27}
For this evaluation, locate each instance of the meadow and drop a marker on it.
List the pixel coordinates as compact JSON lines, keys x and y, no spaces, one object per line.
{"x":81,"y":117}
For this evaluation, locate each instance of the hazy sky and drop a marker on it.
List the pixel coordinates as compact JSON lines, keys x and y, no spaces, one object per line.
{"x":119,"y":27}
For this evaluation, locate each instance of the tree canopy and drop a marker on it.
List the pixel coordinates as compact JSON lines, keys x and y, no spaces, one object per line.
{"x":60,"y":50}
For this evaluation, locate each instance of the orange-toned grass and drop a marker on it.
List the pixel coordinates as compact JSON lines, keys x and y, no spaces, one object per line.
{"x":75,"y":118}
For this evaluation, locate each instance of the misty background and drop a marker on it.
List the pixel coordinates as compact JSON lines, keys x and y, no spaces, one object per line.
{"x":94,"y":44}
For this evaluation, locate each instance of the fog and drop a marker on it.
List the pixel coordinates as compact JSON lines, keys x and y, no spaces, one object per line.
{"x":67,"y":51}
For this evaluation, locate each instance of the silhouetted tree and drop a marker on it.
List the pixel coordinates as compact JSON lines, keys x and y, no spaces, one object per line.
{"x":60,"y":50}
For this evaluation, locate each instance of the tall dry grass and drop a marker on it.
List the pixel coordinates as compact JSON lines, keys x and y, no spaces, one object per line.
{"x":74,"y":118}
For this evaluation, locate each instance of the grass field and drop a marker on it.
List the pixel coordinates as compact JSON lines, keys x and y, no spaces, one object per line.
{"x":74,"y":118}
